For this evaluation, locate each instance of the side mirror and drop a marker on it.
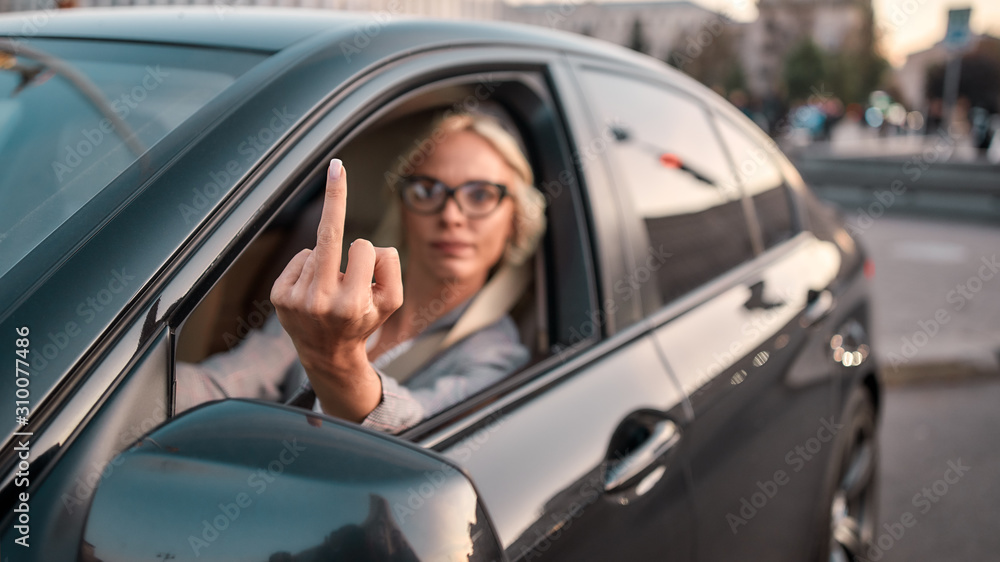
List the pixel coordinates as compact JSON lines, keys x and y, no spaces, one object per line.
{"x":244,"y":480}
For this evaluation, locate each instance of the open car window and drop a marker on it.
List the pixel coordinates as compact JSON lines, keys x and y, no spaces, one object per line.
{"x":236,"y":318}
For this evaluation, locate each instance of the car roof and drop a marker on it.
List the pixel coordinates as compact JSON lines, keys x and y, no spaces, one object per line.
{"x":267,"y":29}
{"x":273,"y":29}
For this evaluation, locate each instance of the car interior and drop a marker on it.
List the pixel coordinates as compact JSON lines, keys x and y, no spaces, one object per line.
{"x":239,"y":301}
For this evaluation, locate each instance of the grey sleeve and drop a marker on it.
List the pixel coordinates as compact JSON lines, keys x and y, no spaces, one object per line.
{"x":254,"y":369}
{"x":464,"y":369}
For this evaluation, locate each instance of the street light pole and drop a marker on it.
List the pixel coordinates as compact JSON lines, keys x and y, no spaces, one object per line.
{"x":952,"y":75}
{"x":956,"y":39}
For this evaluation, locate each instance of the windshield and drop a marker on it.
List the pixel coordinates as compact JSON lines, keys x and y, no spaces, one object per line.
{"x":75,"y":114}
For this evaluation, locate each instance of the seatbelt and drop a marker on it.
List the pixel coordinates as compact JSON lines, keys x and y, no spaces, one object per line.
{"x":497,"y":297}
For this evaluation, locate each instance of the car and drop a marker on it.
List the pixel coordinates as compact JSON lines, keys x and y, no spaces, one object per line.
{"x":701,"y":388}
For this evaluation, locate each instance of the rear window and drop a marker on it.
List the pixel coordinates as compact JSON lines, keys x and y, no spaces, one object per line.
{"x":693,"y":215}
{"x":75,"y":114}
{"x":762,"y":181}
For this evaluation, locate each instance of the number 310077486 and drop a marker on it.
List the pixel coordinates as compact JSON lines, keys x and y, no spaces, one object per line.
{"x":22,"y":348}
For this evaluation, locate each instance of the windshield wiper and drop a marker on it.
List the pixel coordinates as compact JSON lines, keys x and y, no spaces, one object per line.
{"x":28,"y":73}
{"x":77,"y":79}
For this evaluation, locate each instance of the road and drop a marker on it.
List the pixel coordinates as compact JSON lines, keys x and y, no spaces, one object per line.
{"x":935,"y":296}
{"x":926,"y":427}
{"x":941,"y":408}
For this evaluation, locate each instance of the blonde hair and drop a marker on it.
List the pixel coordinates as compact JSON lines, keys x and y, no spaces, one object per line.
{"x":529,"y":203}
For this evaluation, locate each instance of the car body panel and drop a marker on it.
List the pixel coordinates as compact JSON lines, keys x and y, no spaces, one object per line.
{"x":735,"y":384}
{"x":556,"y":447}
{"x":541,"y":446}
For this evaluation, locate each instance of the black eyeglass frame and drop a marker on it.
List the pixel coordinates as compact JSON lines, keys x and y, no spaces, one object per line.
{"x":449,"y":193}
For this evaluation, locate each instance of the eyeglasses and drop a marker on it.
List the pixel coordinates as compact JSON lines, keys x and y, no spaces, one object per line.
{"x":428,"y":196}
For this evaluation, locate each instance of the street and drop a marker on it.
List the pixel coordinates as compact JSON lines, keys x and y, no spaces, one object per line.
{"x":925,"y":427}
{"x":935,"y":296}
{"x":936,"y":324}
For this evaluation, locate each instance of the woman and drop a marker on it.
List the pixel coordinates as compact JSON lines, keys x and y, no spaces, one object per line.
{"x":467,"y":209}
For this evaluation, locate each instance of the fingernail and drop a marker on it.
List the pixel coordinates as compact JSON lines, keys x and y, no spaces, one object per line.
{"x":336,"y":166}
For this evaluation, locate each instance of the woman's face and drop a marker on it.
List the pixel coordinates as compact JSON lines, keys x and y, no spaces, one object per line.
{"x":449,"y":245}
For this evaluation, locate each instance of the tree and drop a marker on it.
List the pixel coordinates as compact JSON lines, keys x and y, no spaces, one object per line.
{"x":710,"y":55}
{"x":858,"y":68}
{"x":804,"y":70}
{"x":637,"y":39}
{"x":853,"y":75}
{"x":735,"y":79}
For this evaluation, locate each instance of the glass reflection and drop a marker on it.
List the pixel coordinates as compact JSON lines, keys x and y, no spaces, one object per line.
{"x":690,"y":202}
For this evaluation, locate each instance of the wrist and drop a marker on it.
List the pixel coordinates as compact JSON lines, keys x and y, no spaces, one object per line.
{"x":346,"y":384}
{"x":336,"y":366}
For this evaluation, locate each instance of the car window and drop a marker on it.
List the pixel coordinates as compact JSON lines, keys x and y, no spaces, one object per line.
{"x":762,"y":182}
{"x":75,"y":114}
{"x":676,"y":176}
{"x":233,"y":329}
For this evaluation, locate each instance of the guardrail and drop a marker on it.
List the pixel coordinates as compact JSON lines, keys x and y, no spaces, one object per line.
{"x":905,"y":183}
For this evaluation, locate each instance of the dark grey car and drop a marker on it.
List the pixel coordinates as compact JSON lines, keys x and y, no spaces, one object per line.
{"x":701,"y":387}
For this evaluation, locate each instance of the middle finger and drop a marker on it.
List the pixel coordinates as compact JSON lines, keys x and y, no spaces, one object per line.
{"x":330,"y":234}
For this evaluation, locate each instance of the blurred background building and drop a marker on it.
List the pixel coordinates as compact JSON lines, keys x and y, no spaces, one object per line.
{"x":799,"y":30}
{"x":923,"y":73}
{"x":650,"y":27}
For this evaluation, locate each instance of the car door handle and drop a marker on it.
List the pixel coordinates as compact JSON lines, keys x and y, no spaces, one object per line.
{"x":664,"y":435}
{"x":819,"y":304}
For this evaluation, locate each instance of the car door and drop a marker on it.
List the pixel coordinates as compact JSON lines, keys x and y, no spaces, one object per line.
{"x":729,"y":309}
{"x":766,"y":401}
{"x":581,"y":457}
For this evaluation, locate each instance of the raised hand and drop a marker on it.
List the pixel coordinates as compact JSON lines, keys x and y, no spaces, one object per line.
{"x":330,"y":315}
